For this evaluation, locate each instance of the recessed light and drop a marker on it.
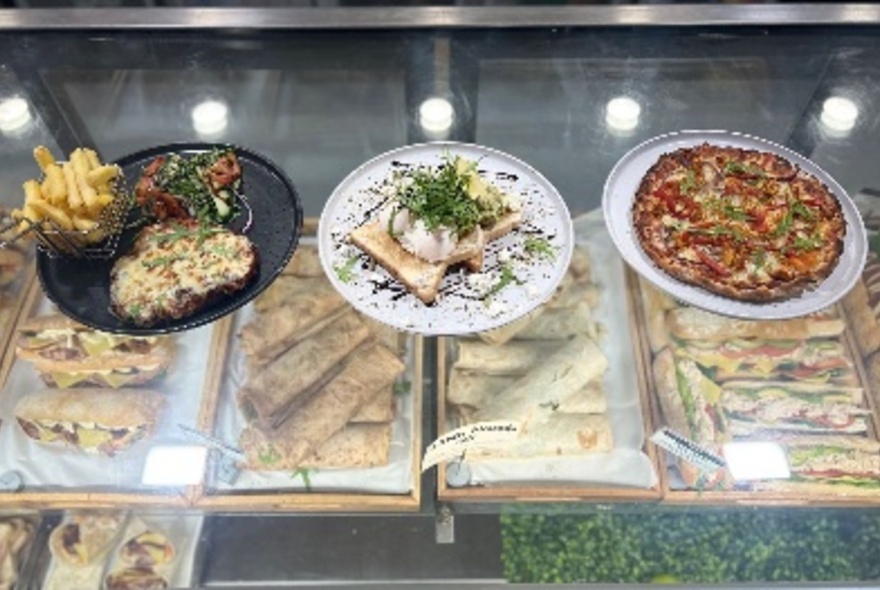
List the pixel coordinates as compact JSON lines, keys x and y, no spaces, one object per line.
{"x":210,"y":117}
{"x":15,"y":114}
{"x":436,"y":116}
{"x":622,"y":113}
{"x":839,"y":114}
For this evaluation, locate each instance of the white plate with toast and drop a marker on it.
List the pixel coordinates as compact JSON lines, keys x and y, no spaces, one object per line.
{"x":520,"y":269}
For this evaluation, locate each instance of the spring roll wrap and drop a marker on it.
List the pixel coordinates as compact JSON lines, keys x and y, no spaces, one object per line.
{"x":563,"y":373}
{"x":275,"y":390}
{"x":367,"y":372}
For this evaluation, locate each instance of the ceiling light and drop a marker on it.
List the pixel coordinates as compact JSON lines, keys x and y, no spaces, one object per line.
{"x":436,"y":116}
{"x":839,"y":114}
{"x":622,"y":114}
{"x":210,"y":117}
{"x":14,"y":114}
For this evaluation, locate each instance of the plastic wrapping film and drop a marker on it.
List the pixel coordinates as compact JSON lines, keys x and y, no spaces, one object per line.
{"x":56,"y":465}
{"x":183,"y":532}
{"x":394,"y":478}
{"x":627,"y":464}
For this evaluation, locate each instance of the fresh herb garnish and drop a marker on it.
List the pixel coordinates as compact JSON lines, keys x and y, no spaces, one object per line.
{"x":161,"y":260}
{"x":439,"y":197}
{"x":345,"y":271}
{"x":801,"y":210}
{"x":507,"y":277}
{"x":688,"y":183}
{"x":179,"y":232}
{"x":134,"y":309}
{"x":402,"y":387}
{"x":269,"y":455}
{"x":784,"y":225}
{"x":736,"y":167}
{"x":540,"y":248}
{"x":802,"y":244}
{"x":759,"y":258}
{"x":735,"y":213}
{"x":306,"y":476}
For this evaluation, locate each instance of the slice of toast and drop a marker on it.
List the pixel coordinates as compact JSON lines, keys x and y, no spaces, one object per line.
{"x":421,"y":277}
{"x":501,"y":227}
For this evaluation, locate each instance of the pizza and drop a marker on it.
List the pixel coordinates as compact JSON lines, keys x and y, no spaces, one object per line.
{"x":744,"y":224}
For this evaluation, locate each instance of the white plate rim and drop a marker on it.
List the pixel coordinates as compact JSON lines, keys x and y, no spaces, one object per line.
{"x":520,"y":167}
{"x":832,"y":289}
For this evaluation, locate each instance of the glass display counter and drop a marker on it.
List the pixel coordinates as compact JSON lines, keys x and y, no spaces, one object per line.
{"x":282,"y":444}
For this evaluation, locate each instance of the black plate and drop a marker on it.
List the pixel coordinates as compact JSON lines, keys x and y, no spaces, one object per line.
{"x":81,"y":288}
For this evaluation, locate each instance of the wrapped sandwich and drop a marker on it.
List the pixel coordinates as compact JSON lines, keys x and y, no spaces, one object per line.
{"x":67,"y":353}
{"x":91,"y":420}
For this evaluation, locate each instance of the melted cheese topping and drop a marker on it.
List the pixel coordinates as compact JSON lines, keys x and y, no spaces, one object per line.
{"x":159,"y":278}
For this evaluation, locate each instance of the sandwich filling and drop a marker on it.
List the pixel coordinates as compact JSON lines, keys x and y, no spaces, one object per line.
{"x":88,"y":436}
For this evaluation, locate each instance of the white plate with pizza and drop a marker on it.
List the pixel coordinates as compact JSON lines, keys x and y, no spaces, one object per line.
{"x":735,"y":224}
{"x":445,"y":238}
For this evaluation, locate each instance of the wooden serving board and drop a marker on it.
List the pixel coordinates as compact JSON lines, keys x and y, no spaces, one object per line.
{"x":47,"y":495}
{"x":671,"y":495}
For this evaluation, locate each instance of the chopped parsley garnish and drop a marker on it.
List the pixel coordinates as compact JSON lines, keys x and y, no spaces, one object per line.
{"x":161,"y":260}
{"x":306,"y":476}
{"x":345,"y":271}
{"x":507,"y":277}
{"x":179,"y":232}
{"x":134,"y":309}
{"x":402,"y":387}
{"x":540,"y":248}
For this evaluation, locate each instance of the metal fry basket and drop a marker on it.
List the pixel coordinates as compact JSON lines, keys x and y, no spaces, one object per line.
{"x":98,"y":242}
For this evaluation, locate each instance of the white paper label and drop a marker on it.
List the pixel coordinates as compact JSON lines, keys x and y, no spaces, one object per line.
{"x":480,"y":435}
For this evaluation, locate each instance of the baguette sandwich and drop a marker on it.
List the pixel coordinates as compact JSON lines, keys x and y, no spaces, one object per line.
{"x":91,"y":420}
{"x":752,"y":407}
{"x":689,"y":404}
{"x":66,"y":353}
{"x":817,"y":360}
{"x":689,"y":323}
{"x":829,"y":464}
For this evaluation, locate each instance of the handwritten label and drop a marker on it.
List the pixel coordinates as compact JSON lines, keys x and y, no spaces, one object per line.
{"x":480,"y":435}
{"x":688,"y":450}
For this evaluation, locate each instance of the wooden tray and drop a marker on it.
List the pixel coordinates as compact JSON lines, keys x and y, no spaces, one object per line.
{"x":737,"y":497}
{"x":295,"y":500}
{"x":63,"y":498}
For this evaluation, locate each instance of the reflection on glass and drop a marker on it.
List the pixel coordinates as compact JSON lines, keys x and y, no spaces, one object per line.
{"x":751,"y":460}
{"x":839,"y":115}
{"x":210,"y":118}
{"x":435,"y":117}
{"x":622,"y":114}
{"x":15,"y":115}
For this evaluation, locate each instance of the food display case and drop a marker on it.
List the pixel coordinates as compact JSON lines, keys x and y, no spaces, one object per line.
{"x":530,"y":397}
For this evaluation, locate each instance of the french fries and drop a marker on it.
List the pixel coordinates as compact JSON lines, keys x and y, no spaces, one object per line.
{"x":72,"y":194}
